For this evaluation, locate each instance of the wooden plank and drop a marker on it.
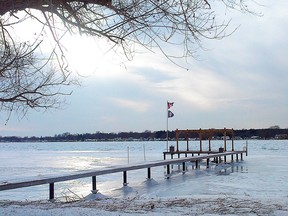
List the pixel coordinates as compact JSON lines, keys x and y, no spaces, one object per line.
{"x":108,"y":170}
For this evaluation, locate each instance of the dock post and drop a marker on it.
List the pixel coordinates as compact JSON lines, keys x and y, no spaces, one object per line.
{"x":225,"y":159}
{"x":149,"y":173}
{"x":232,"y":157}
{"x":94,"y":189}
{"x":183,"y":167}
{"x":200,"y":137}
{"x":187,"y":141}
{"x":168,"y":170}
{"x":225,"y":141}
{"x":207,"y":163}
{"x":241,"y":156}
{"x":125,"y":178}
{"x":197,"y":164}
{"x":209,"y":143}
{"x":51,"y":191}
{"x":233,"y":139}
{"x":177,"y":144}
{"x":237,"y":157}
{"x":246,"y":148}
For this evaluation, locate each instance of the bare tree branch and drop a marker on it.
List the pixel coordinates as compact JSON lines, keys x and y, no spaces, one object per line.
{"x":27,"y":82}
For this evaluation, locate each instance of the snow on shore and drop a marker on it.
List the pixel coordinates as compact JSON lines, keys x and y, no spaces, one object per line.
{"x":220,"y":205}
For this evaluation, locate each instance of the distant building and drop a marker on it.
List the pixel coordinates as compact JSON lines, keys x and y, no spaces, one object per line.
{"x":281,"y":136}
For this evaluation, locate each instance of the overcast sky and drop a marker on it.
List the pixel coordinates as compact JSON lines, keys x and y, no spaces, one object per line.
{"x":238,"y":82}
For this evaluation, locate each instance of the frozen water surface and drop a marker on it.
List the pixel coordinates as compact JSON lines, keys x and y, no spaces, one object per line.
{"x":255,"y":186}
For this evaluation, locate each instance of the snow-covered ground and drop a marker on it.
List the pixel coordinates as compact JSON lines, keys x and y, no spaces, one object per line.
{"x":256,"y":186}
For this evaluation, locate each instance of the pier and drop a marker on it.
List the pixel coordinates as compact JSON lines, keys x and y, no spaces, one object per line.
{"x":183,"y":156}
{"x":51,"y":180}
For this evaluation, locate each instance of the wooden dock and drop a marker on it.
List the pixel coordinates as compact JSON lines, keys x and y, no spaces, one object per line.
{"x":52,"y":179}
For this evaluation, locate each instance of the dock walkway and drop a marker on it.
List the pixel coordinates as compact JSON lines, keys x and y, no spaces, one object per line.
{"x":52,"y":179}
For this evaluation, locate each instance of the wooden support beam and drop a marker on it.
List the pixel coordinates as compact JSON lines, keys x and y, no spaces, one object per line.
{"x":225,"y":145}
{"x":51,"y":191}
{"x":168,"y":170}
{"x":187,"y":141}
{"x":200,"y":137}
{"x":209,"y":142}
{"x":125,"y":178}
{"x":232,"y":139}
{"x":149,"y":173}
{"x":183,"y":166}
{"x":207,"y":163}
{"x":196,"y":164}
{"x":177,"y":138}
{"x":246,"y":148}
{"x":94,"y":189}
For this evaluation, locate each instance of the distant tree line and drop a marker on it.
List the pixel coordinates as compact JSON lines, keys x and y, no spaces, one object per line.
{"x":270,"y":133}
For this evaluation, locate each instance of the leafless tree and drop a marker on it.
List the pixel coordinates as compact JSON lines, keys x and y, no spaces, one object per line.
{"x":26,"y":82}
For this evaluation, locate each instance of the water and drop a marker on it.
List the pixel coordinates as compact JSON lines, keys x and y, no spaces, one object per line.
{"x":263,"y":173}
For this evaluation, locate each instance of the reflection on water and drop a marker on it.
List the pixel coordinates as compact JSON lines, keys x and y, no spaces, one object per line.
{"x":266,"y":164}
{"x":228,"y":168}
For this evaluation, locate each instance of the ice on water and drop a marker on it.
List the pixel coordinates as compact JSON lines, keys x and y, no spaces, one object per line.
{"x":262,"y":175}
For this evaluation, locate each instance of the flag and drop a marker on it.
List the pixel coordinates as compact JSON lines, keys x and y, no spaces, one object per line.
{"x":170,"y":104}
{"x":170,"y":114}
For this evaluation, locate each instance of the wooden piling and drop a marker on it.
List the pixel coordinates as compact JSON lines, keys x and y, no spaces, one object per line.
{"x":149,"y":173}
{"x":125,"y":183}
{"x":51,"y":191}
{"x":168,"y":170}
{"x":94,"y":189}
{"x":197,"y":164}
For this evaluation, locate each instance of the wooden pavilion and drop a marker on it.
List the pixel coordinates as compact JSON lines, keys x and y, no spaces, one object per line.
{"x":201,"y":134}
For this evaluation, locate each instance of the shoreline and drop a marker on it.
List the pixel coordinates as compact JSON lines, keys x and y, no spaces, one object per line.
{"x":200,"y":205}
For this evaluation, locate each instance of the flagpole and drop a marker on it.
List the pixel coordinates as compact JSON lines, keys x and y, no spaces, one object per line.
{"x":169,"y":114}
{"x":167,"y":127}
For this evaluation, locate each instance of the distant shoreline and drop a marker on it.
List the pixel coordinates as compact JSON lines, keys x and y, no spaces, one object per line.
{"x":272,"y":133}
